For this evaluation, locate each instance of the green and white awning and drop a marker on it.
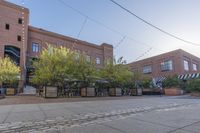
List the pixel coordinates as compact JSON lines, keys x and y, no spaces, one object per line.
{"x":189,"y":76}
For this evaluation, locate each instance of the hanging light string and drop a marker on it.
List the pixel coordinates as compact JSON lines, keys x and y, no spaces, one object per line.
{"x":145,"y":53}
{"x":82,"y":27}
{"x":120,"y":42}
{"x":23,"y":36}
{"x":107,"y":27}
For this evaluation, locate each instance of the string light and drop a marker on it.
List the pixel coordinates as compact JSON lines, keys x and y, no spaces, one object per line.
{"x":23,"y":38}
{"x":146,"y":52}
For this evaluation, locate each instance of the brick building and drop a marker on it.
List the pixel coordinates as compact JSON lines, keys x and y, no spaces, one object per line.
{"x":176,"y":62}
{"x":22,"y":42}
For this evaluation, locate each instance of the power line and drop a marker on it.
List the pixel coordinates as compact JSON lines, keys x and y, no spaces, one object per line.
{"x":150,"y":24}
{"x":99,"y":23}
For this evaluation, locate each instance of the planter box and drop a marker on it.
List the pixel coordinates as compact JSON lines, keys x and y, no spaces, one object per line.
{"x":139,"y":91}
{"x":115,"y":91}
{"x":50,"y":92}
{"x":10,"y":91}
{"x":2,"y":91}
{"x":149,"y":91}
{"x":133,"y":92}
{"x":173,"y":91}
{"x":195,"y":94}
{"x":88,"y":92}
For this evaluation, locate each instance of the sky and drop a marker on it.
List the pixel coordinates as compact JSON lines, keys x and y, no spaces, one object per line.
{"x":130,"y":37}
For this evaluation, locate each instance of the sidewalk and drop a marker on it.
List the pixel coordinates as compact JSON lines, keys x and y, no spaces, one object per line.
{"x":13,"y":100}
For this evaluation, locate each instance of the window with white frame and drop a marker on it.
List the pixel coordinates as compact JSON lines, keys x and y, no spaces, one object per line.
{"x":98,"y":60}
{"x":88,"y":58}
{"x":167,"y":65}
{"x":77,"y":54}
{"x":147,"y":69}
{"x":186,"y":65}
{"x":194,"y":67}
{"x":35,"y":47}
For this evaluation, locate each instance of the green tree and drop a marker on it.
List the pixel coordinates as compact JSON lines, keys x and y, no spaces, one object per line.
{"x":116,"y":72}
{"x":55,"y":66}
{"x":9,"y":71}
{"x":85,"y":70}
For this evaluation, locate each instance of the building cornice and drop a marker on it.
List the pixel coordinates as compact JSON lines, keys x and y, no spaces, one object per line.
{"x":70,"y":39}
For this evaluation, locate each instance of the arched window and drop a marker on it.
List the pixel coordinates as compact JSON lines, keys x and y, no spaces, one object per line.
{"x":13,"y":53}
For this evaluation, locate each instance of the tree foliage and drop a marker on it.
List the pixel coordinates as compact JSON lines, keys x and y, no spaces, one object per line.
{"x":9,"y":71}
{"x":85,"y":70}
{"x":194,"y":85}
{"x":171,"y":81}
{"x":55,"y":65}
{"x":58,"y":66}
{"x":116,"y":72}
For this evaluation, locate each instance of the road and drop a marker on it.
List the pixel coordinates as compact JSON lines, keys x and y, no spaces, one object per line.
{"x":138,"y":115}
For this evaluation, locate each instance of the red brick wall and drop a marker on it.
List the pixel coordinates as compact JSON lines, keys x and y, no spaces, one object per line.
{"x":42,"y":37}
{"x":177,"y":58}
{"x":9,"y":14}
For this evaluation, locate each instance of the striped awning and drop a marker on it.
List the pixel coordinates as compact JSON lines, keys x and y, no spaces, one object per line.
{"x":158,"y":79}
{"x":189,"y":76}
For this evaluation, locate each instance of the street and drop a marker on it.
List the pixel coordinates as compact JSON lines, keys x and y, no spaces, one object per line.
{"x":151,"y":114}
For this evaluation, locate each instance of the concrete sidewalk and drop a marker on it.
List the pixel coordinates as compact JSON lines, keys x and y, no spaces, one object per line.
{"x":13,"y":100}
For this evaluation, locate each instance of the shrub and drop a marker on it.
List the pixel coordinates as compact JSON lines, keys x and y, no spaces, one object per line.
{"x":171,"y":82}
{"x":194,"y":85}
{"x":147,"y":83}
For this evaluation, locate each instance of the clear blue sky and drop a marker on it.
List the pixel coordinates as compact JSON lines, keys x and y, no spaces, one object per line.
{"x":179,"y":17}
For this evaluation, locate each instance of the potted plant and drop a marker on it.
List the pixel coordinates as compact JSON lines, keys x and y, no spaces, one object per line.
{"x":172,"y":86}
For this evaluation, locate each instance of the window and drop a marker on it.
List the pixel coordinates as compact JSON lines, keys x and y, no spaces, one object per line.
{"x":98,"y":60}
{"x":194,"y":66}
{"x":186,"y":65}
{"x":7,"y":26}
{"x":19,"y":38}
{"x":167,"y":65}
{"x":147,"y":69}
{"x":88,"y":58}
{"x":35,"y":47}
{"x":20,"y":21}
{"x":77,"y":54}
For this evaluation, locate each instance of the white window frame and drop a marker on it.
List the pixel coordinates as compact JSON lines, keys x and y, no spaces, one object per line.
{"x":88,"y":58}
{"x":147,"y":69}
{"x":98,"y":61}
{"x":35,"y":47}
{"x":167,"y":65}
{"x":186,"y":65}
{"x":194,"y":67}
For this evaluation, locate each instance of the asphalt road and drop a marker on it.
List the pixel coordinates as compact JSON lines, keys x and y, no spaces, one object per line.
{"x":142,"y":115}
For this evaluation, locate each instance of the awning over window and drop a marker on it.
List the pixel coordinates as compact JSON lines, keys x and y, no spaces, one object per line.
{"x":189,"y":76}
{"x":158,"y":79}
